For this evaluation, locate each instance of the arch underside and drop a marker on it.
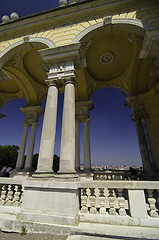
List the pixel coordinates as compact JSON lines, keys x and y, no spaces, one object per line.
{"x":113,"y":59}
{"x":23,"y":72}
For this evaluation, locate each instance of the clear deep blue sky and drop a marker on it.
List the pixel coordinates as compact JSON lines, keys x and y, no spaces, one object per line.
{"x":113,"y":134}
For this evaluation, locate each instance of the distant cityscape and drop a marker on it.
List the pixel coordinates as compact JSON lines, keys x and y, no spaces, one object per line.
{"x":107,"y":168}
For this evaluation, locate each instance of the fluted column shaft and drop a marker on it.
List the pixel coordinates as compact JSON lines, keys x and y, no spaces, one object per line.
{"x":77,"y":144}
{"x":46,"y":152}
{"x":20,"y":159}
{"x":29,"y":158}
{"x":67,"y":154}
{"x":145,"y":155}
{"x":87,"y":153}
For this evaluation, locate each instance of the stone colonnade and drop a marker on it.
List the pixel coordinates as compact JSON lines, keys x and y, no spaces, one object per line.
{"x":31,"y":119}
{"x":62,"y":73}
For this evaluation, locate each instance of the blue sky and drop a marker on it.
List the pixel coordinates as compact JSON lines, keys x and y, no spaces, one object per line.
{"x":112,"y":132}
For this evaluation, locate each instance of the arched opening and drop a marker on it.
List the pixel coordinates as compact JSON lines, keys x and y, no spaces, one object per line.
{"x":112,"y":132}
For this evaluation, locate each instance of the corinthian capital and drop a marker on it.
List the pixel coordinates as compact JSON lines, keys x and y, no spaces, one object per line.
{"x":138,"y":107}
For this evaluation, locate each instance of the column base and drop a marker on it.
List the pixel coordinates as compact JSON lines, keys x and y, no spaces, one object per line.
{"x":63,"y":175}
{"x":28,"y":170}
{"x":43,"y":175}
{"x":21,"y":174}
{"x":88,"y":170}
{"x":15,"y":170}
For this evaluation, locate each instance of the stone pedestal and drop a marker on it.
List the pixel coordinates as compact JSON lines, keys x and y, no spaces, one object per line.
{"x":50,"y":201}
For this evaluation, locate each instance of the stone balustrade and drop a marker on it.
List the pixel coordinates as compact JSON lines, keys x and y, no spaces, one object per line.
{"x":108,"y":175}
{"x":11,"y":193}
{"x":115,"y":175}
{"x":133,"y":200}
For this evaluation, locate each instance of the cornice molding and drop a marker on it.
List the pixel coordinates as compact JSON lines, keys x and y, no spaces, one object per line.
{"x":66,"y":15}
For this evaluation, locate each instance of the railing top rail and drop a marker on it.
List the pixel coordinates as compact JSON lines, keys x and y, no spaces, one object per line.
{"x":120,"y":184}
{"x":4,"y":180}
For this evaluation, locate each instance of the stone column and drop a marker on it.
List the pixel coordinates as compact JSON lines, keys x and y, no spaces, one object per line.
{"x":82,"y":114}
{"x":87,"y":153}
{"x":67,"y":154}
{"x":20,"y":159}
{"x":139,"y":113}
{"x":77,"y":145}
{"x":46,"y":152}
{"x":145,"y":155}
{"x":29,"y":158}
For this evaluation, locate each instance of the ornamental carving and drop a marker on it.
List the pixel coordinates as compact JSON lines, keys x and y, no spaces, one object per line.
{"x":107,"y":58}
{"x":133,"y":38}
{"x":15,"y":60}
{"x":62,"y":70}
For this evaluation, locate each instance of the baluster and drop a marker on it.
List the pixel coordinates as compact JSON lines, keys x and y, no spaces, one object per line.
{"x":158,"y":198}
{"x":21,"y":197}
{"x":102,"y":209}
{"x":84,"y":198}
{"x":3,"y":195}
{"x":16,"y":199}
{"x":9,"y":199}
{"x":152,"y":201}
{"x":111,"y":198}
{"x":92,"y":198}
{"x":121,"y":202}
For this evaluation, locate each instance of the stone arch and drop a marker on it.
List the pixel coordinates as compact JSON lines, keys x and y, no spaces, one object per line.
{"x":40,"y":42}
{"x":125,"y":24}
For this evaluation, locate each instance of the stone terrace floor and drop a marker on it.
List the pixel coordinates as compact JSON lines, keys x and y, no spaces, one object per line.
{"x":30,"y":236}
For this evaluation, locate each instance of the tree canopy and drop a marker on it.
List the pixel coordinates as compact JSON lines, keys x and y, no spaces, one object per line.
{"x":8,"y":155}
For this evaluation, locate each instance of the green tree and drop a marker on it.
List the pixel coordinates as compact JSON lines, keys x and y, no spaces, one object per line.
{"x":8,"y":156}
